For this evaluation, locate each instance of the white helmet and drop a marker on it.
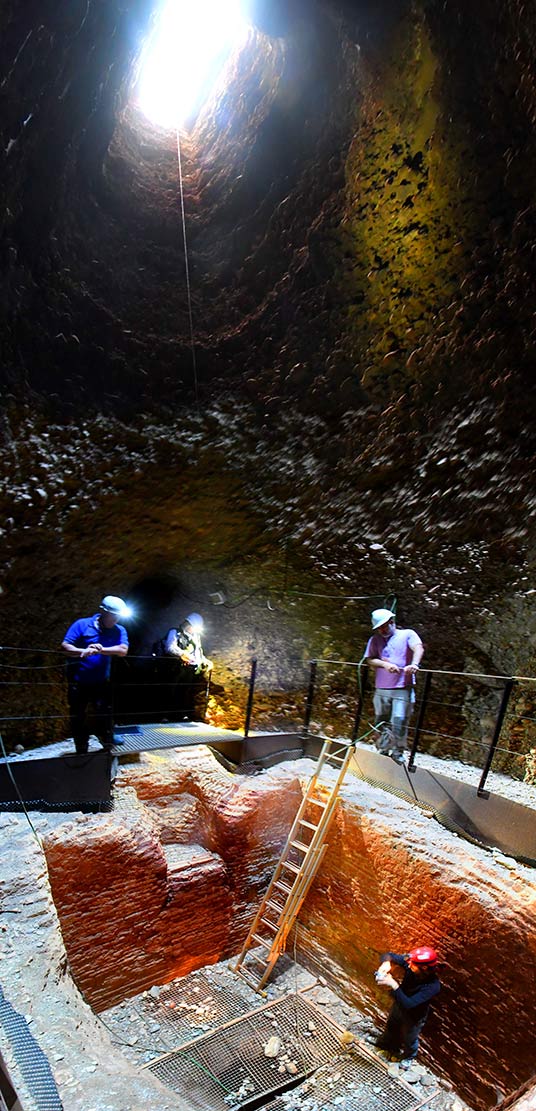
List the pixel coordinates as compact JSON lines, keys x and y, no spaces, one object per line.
{"x":380,"y":617}
{"x":111,"y":604}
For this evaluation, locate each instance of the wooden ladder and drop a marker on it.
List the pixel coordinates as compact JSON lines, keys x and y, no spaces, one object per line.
{"x":295,"y":870}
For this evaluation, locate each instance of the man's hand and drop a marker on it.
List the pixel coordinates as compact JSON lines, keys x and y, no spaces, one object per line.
{"x":91,"y":650}
{"x":384,"y":969}
{"x":392,"y":668}
{"x":410,"y":669}
{"x":389,"y":982}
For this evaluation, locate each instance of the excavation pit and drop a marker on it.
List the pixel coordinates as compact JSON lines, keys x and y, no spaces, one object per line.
{"x":138,"y":912}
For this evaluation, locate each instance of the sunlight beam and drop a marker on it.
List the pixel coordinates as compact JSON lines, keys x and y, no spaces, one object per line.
{"x":186,"y":52}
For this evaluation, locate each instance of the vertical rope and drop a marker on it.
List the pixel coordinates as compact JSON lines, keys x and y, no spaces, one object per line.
{"x":187,"y":271}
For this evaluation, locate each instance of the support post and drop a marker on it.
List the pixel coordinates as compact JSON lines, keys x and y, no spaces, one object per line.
{"x":362,"y":682}
{"x":310,"y":696}
{"x":420,"y":720}
{"x":508,"y":687}
{"x":249,"y":706}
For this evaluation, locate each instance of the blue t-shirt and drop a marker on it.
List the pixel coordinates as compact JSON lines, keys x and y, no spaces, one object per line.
{"x":89,"y":630}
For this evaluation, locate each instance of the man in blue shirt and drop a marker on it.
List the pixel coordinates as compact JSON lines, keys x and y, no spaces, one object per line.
{"x":91,"y":643}
{"x":411,"y":999}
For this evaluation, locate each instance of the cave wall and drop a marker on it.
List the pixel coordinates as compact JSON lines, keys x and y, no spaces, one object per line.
{"x":358,"y":200}
{"x":360,"y":226}
{"x":390,"y":879}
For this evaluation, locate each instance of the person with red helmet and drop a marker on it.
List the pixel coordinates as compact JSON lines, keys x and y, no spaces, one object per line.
{"x":411,"y":999}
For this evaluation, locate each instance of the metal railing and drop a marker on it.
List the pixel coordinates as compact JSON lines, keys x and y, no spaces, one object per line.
{"x":488,"y":721}
{"x":470,"y":716}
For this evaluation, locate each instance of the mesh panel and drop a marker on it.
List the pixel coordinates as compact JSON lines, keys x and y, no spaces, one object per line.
{"x":172,"y":736}
{"x":229,"y":1069}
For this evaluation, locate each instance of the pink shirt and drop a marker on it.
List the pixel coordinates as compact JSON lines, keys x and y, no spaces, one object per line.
{"x":398,"y":649}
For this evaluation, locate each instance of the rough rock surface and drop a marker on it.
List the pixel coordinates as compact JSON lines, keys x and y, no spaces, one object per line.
{"x":360,"y":237}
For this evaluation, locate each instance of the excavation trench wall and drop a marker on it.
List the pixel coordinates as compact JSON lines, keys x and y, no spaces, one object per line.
{"x":170,"y":880}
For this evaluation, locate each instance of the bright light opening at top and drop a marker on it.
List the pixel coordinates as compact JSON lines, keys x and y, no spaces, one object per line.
{"x":188,"y":48}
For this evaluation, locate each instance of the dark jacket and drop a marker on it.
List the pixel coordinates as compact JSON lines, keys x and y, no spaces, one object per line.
{"x":416,"y":991}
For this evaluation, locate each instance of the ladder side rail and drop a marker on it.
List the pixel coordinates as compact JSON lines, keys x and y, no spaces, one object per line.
{"x":273,"y":956}
{"x":277,"y":945}
{"x":332,"y":800}
{"x":277,"y":872}
{"x":313,"y":846}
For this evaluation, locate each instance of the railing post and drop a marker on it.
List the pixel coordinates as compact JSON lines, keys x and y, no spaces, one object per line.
{"x":362,"y":681}
{"x":420,"y":720}
{"x":310,"y":696}
{"x":508,"y":687}
{"x":249,"y":706}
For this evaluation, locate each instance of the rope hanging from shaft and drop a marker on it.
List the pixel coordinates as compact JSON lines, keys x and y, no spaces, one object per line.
{"x":187,"y":270}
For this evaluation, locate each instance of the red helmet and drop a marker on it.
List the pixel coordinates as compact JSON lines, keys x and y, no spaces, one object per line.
{"x":423,"y":955}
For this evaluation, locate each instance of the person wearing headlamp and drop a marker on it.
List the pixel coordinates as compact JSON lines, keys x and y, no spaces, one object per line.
{"x":91,"y":643}
{"x":184,"y":644}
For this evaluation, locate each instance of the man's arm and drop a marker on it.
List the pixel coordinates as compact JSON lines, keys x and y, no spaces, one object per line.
{"x":173,"y":648}
{"x":112,"y":650}
{"x":375,"y":661}
{"x":79,"y":653}
{"x":417,"y":648}
{"x":385,"y":664}
{"x":423,"y":995}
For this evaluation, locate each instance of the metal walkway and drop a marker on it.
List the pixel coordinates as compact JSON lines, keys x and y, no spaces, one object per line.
{"x":145,"y":738}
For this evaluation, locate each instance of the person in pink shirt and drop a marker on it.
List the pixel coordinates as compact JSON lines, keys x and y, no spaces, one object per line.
{"x":394,"y":655}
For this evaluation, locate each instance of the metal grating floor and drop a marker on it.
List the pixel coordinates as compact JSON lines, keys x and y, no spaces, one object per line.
{"x":162,"y":1019}
{"x":228,"y":1068}
{"x":143,"y":738}
{"x":193,"y":1005}
{"x":352,"y":1082}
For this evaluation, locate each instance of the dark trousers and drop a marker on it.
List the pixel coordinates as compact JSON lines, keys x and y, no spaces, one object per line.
{"x":401,"y":1032}
{"x":81,"y":696}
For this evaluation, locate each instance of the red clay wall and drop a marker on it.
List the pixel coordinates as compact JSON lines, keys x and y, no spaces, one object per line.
{"x":128,"y":920}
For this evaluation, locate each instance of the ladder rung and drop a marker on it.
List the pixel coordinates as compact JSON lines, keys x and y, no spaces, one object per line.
{"x":249,"y":979}
{"x":275,"y":906}
{"x":318,"y":802}
{"x":283,"y":886}
{"x":253,"y":957}
{"x":308,"y":824}
{"x":292,"y":867}
{"x":300,"y":845}
{"x":270,"y":925}
{"x":262,"y":941}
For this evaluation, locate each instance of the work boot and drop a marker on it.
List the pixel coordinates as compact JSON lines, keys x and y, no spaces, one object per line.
{"x":397,"y":756}
{"x":407,"y":1062}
